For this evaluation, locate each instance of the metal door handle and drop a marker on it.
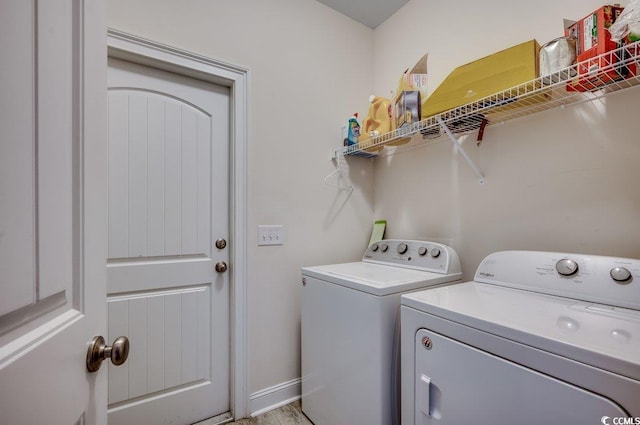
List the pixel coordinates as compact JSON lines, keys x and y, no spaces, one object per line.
{"x":221,"y":267}
{"x":99,"y":351}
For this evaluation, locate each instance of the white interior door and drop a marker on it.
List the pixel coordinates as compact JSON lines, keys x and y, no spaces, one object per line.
{"x":168,"y":204}
{"x":53,"y":233}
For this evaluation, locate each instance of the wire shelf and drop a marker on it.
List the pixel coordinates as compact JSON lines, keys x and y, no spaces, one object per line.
{"x":583,"y":82}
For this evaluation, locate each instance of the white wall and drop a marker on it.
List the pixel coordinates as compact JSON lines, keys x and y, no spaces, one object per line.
{"x":310,"y":69}
{"x":562,"y":180}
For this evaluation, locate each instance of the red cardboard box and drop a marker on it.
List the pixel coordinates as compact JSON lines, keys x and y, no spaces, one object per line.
{"x":594,"y":50}
{"x":591,"y":32}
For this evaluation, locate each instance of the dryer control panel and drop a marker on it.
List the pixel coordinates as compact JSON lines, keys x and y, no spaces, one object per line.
{"x":608,"y":280}
{"x":419,"y":255}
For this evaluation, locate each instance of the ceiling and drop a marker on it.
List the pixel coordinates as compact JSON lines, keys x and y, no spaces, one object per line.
{"x":368,"y":12}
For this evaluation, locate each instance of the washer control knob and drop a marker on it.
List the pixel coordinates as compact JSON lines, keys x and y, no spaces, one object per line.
{"x":567,"y":267}
{"x":422,"y":250}
{"x":435,"y":252}
{"x":384,"y":247}
{"x":402,"y":248}
{"x":374,"y":247}
{"x":620,"y":275}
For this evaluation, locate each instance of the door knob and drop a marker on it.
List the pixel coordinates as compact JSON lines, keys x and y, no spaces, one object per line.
{"x":99,"y":351}
{"x":221,"y":267}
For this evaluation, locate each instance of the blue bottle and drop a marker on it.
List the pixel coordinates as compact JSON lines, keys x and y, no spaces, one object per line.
{"x":353,"y":131}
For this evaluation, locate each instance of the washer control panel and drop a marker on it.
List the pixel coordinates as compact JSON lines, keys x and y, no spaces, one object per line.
{"x":608,"y":280}
{"x":421,"y":255}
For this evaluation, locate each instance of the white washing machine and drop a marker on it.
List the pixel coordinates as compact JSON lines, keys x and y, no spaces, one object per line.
{"x":536,"y":338}
{"x":350,"y":320}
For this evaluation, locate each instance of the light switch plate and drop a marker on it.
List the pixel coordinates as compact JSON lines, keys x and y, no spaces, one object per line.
{"x":270,"y":234}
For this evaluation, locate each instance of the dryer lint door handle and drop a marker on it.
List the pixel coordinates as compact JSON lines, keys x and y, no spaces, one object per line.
{"x":423,"y":395}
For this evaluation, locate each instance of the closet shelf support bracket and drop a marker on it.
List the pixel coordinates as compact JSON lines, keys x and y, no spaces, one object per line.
{"x":461,"y":150}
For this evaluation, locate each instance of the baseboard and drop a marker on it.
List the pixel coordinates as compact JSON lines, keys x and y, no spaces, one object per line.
{"x":273,"y":397}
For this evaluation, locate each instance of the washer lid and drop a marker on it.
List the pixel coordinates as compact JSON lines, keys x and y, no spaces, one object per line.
{"x":599,"y":335}
{"x":377,"y":279}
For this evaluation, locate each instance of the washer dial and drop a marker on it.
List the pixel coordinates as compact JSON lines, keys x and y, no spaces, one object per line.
{"x":402,"y":248}
{"x":567,"y":267}
{"x":620,"y":275}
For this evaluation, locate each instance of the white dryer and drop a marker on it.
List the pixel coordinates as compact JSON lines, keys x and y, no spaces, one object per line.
{"x":536,"y":338}
{"x":350,"y":320}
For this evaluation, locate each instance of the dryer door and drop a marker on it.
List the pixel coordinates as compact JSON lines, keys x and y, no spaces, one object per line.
{"x":459,"y":384}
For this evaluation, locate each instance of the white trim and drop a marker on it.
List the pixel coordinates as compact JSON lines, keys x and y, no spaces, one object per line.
{"x":139,"y":50}
{"x":276,"y":396}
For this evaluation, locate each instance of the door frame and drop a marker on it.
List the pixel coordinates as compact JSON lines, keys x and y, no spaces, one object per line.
{"x":141,"y":51}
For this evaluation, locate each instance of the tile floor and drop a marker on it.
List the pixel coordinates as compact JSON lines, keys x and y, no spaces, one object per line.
{"x":291,"y":414}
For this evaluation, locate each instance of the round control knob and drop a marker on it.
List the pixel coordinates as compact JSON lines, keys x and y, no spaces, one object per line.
{"x":566,"y":267}
{"x":384,"y":247}
{"x":435,"y":252}
{"x":374,"y":247}
{"x":402,"y":248}
{"x":620,"y":274}
{"x":422,"y":250}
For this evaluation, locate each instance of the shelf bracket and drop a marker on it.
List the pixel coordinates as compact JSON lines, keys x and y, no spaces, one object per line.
{"x":460,"y":149}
